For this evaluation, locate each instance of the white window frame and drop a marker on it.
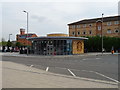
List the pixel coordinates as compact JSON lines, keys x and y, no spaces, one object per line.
{"x":109,"y":31}
{"x":99,"y":28}
{"x":116,"y":22}
{"x":78,"y":32}
{"x":73,"y":33}
{"x":117,"y":32}
{"x":83,"y":32}
{"x":91,"y":32}
{"x":84,"y":25}
{"x":78,"y":26}
{"x":73,"y":26}
{"x":90,"y":25}
{"x":109,"y":23}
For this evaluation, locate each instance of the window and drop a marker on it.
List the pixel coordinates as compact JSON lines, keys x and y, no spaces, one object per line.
{"x":109,"y":31}
{"x":73,"y":26}
{"x":90,"y":32}
{"x":108,"y":23}
{"x":78,"y":26}
{"x":51,"y":42}
{"x":116,"y":22}
{"x":84,"y":25}
{"x":73,"y":33}
{"x":78,"y":33}
{"x":116,"y":31}
{"x":84,"y":32}
{"x":90,"y":25}
{"x":99,"y":27}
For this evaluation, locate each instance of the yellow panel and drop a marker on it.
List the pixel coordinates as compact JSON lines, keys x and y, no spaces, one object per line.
{"x":57,"y":35}
{"x":78,"y":46}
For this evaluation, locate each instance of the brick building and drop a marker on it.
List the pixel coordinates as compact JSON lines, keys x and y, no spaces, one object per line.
{"x":94,"y":27}
{"x":22,"y":37}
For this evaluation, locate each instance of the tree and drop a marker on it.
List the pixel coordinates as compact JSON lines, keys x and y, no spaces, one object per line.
{"x":18,"y":44}
{"x":93,"y":44}
{"x":9,"y":44}
{"x":3,"y":42}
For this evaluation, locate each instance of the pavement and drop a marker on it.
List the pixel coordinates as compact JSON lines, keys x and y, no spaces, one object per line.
{"x":20,"y":76}
{"x":30,"y":55}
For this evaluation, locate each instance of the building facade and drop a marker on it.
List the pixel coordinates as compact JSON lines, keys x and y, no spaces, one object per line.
{"x":57,"y":44}
{"x":93,"y":27}
{"x":22,"y":37}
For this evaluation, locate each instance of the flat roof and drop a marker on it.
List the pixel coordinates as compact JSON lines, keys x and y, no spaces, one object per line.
{"x":28,"y":34}
{"x":93,"y":20}
{"x":57,"y":38}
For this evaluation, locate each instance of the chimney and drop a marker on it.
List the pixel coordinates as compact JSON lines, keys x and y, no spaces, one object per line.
{"x":22,"y":31}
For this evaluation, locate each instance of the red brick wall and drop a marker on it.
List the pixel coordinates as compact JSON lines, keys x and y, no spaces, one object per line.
{"x":23,"y":40}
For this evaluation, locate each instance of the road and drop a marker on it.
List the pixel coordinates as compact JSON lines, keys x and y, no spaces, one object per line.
{"x":95,"y":67}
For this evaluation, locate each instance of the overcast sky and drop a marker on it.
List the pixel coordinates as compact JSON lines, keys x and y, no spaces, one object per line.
{"x":51,"y":17}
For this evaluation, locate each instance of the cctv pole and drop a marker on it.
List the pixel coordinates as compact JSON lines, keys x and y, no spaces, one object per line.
{"x":102,"y":33}
{"x":27,"y":30}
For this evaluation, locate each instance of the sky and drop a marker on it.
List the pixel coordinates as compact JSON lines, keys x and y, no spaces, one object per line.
{"x":50,"y":16}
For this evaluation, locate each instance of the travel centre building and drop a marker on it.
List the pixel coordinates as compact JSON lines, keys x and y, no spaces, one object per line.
{"x":57,"y":44}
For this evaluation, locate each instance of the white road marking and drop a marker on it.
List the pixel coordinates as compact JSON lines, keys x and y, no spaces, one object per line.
{"x":98,"y":58}
{"x":84,"y":59}
{"x":99,"y":74}
{"x":47,"y":69}
{"x":71,"y":72}
{"x":85,"y":71}
{"x":105,"y":76}
{"x":31,"y":65}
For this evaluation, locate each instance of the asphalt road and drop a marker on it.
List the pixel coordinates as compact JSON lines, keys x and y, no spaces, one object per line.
{"x":95,"y":67}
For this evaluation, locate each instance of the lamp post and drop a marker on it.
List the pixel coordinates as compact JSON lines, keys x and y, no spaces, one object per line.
{"x":9,"y":36}
{"x":102,"y":33}
{"x":27,"y":30}
{"x":9,"y":44}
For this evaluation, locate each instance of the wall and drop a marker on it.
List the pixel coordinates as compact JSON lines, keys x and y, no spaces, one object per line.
{"x":82,"y":29}
{"x":94,"y":29}
{"x":24,"y":41}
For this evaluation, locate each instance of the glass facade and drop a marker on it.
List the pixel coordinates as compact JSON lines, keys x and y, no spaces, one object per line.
{"x":52,"y":47}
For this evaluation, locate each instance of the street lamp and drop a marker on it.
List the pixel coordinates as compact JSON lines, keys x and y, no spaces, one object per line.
{"x":102,"y":33}
{"x":9,"y":43}
{"x":9,"y":36}
{"x":27,"y":30}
